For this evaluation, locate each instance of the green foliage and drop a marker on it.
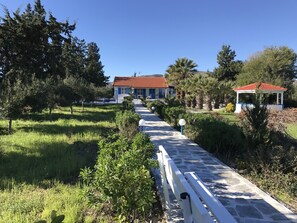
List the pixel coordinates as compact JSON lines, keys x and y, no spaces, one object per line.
{"x":127,"y":122}
{"x":255,"y":126}
{"x":275,"y":65}
{"x":158,"y":105}
{"x":228,"y":68}
{"x":209,"y":86}
{"x":215,"y":135}
{"x":104,"y":92}
{"x":181,"y":69}
{"x":40,"y":52}
{"x":128,"y":104}
{"x":173,"y":102}
{"x":94,"y":69}
{"x":172,"y":114}
{"x":230,"y":107}
{"x":54,"y":218}
{"x":11,"y":99}
{"x":122,"y":176}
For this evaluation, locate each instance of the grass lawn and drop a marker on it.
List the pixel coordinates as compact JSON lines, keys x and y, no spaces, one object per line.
{"x":230,"y":117}
{"x":292,"y":130}
{"x":40,"y":163}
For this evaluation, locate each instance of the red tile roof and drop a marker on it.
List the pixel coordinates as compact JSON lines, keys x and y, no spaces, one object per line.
{"x":260,"y":86}
{"x":140,"y":82}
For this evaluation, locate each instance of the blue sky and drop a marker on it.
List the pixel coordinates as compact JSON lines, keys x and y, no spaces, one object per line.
{"x":145,"y":36}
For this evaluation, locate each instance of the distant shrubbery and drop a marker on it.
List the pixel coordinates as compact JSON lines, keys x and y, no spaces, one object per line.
{"x":230,"y":107}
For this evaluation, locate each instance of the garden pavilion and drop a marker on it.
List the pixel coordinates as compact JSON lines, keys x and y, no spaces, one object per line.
{"x":275,"y":95}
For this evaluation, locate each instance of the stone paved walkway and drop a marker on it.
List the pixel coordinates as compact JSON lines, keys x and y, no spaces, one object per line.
{"x":245,"y":201}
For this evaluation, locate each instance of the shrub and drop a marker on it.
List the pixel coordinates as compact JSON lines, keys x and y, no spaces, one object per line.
{"x":128,"y":98}
{"x":254,"y":122}
{"x":127,"y":123}
{"x":230,"y":107}
{"x":128,"y":104}
{"x":172,"y":114}
{"x":216,"y":136}
{"x":159,"y":105}
{"x":122,"y":177}
{"x":173,"y":102}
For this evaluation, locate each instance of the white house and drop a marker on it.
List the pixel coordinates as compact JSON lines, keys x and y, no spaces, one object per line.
{"x":152,"y":87}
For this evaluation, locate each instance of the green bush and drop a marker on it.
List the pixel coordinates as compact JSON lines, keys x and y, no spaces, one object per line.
{"x":127,"y":123}
{"x":214,"y":135}
{"x":122,"y":176}
{"x":254,"y":122}
{"x":172,"y":114}
{"x":128,"y":104}
{"x":159,"y":105}
{"x":230,"y":107}
{"x":173,"y":102}
{"x":128,"y":98}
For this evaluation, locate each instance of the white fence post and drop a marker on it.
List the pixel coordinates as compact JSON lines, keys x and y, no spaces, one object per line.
{"x":164,"y":180}
{"x":187,"y":207}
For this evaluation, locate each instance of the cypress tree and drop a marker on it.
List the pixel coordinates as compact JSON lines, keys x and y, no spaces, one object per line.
{"x":94,"y":69}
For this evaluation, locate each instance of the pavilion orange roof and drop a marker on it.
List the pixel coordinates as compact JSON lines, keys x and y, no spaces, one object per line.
{"x":140,"y":82}
{"x":260,"y":86}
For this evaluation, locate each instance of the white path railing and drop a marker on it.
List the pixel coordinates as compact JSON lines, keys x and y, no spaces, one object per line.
{"x":198,"y":204}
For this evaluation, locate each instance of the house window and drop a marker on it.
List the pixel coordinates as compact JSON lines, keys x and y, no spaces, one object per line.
{"x":162,"y":93}
{"x":152,"y":93}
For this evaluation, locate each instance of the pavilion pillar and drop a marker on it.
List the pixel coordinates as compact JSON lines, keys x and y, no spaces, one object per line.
{"x":282,"y":98}
{"x":237,"y":97}
{"x":277,"y":98}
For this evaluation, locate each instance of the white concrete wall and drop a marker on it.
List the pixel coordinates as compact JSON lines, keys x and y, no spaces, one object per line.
{"x":272,"y":107}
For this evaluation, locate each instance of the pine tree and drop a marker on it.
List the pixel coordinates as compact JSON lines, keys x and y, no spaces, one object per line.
{"x":94,"y":69}
{"x":228,"y":68}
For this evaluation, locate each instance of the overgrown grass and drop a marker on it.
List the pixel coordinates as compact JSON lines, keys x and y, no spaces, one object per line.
{"x":40,"y":162}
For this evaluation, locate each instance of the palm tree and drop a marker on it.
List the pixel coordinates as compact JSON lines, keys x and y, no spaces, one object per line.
{"x":186,"y":86}
{"x":210,"y":89}
{"x":177,"y":72}
{"x":196,"y":88}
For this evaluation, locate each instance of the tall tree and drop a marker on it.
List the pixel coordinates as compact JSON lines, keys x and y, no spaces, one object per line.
{"x":210,"y":90}
{"x":228,"y":67}
{"x":30,"y":53}
{"x":94,"y":69}
{"x":275,"y":65}
{"x":181,"y":69}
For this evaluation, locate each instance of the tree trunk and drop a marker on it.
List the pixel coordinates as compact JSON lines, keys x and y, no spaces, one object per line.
{"x":188,"y":103}
{"x":193,"y":103}
{"x":226,"y":99}
{"x":10,"y":126}
{"x":177,"y":92}
{"x":82,"y":105}
{"x":217,"y":103}
{"x":208,"y":102}
{"x":183,"y":95}
{"x":71,"y":110}
{"x":200,"y":101}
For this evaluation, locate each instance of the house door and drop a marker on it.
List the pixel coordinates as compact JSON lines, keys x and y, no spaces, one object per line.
{"x":152,"y":93}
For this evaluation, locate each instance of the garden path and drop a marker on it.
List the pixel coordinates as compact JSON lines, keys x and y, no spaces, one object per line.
{"x":245,"y":201}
